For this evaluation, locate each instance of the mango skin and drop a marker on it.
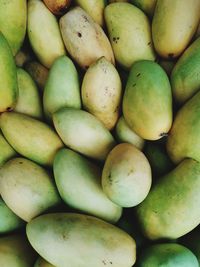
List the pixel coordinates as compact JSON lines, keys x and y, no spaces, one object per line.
{"x":103,"y":243}
{"x":171,"y":32}
{"x":148,"y":6}
{"x":62,"y":87}
{"x":169,"y":255}
{"x":130,"y":41}
{"x":185,"y":77}
{"x":8,"y":77}
{"x":79,"y":183}
{"x":147,"y":101}
{"x":170,"y":209}
{"x":184,"y":140}
{"x":31,"y":138}
{"x":42,"y":263}
{"x":6,"y":151}
{"x":57,"y":7}
{"x":13,"y":16}
{"x":83,"y":132}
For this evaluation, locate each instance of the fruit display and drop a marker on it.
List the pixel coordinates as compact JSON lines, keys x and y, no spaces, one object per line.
{"x":99,"y":133}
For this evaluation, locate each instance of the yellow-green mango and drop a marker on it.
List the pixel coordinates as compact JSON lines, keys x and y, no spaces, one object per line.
{"x":125,"y":135}
{"x":62,"y":87}
{"x":27,"y":189}
{"x":44,"y":34}
{"x":126,"y":176}
{"x":185,"y":77}
{"x":83,"y":132}
{"x":94,"y":8}
{"x":81,"y":240}
{"x":6,"y":151}
{"x":184,"y":139}
{"x":174,"y":24}
{"x":171,"y":208}
{"x":15,"y":251}
{"x":102,"y":91}
{"x":148,"y":6}
{"x":167,"y":254}
{"x":84,"y":39}
{"x":42,"y":263}
{"x":13,"y":14}
{"x":79,"y":183}
{"x":9,"y":221}
{"x":28,"y":101}
{"x":147,"y":101}
{"x":31,"y":138}
{"x":8,"y":77}
{"x":129,"y":32}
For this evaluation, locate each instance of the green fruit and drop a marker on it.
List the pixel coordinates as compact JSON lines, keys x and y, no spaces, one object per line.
{"x":129,"y":32}
{"x":147,"y":102}
{"x":80,"y":240}
{"x":79,"y":183}
{"x":13,"y":15}
{"x":171,"y":32}
{"x":8,"y":220}
{"x":28,"y":101}
{"x":147,"y":6}
{"x":44,"y":34}
{"x":171,"y":208}
{"x":29,"y":137}
{"x":8,"y":77}
{"x":83,"y":132}
{"x":169,"y":255}
{"x":62,"y":87}
{"x":27,"y":188}
{"x":184,"y":139}
{"x":185,"y":77}
{"x":6,"y":151}
{"x":126,"y":176}
{"x":42,"y":263}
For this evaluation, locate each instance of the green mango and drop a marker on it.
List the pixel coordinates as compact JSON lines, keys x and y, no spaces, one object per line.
{"x":62,"y":87}
{"x":125,"y":135}
{"x":13,"y":15}
{"x":171,"y":208}
{"x":28,"y":101}
{"x":148,"y":6}
{"x":6,"y":151}
{"x":129,"y":32}
{"x":81,"y":240}
{"x":15,"y":251}
{"x":172,"y":32}
{"x":44,"y":34}
{"x":42,"y":263}
{"x":185,"y":77}
{"x":9,"y":221}
{"x":79,"y":183}
{"x":30,"y":137}
{"x":167,"y":255}
{"x":184,"y":139}
{"x":147,"y":101}
{"x":83,"y":132}
{"x":8,"y":77}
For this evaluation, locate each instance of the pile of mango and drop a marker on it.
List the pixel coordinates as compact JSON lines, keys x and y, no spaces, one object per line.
{"x":99,"y":133}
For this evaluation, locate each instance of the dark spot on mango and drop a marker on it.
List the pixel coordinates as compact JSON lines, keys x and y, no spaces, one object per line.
{"x":138,"y":75}
{"x":104,"y":262}
{"x":149,"y":43}
{"x":171,"y":55}
{"x":134,"y":85}
{"x":163,"y":134}
{"x":8,"y":108}
{"x":79,"y":34}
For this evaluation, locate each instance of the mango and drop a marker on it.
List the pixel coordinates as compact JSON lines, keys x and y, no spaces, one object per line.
{"x":129,"y":32}
{"x":102,"y":91}
{"x":62,"y":87}
{"x":8,"y":77}
{"x":84,"y":39}
{"x":83,"y":132}
{"x":42,"y":263}
{"x":30,"y":137}
{"x":46,"y":42}
{"x":28,"y":101}
{"x":170,"y":209}
{"x":148,"y":6}
{"x":171,"y":255}
{"x":103,"y":243}
{"x":147,"y":101}
{"x":185,"y":77}
{"x":174,"y":23}
{"x":126,"y":176}
{"x":57,"y":7}
{"x":79,"y":183}
{"x":13,"y":16}
{"x":184,"y":140}
{"x":125,"y":135}
{"x":6,"y":151}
